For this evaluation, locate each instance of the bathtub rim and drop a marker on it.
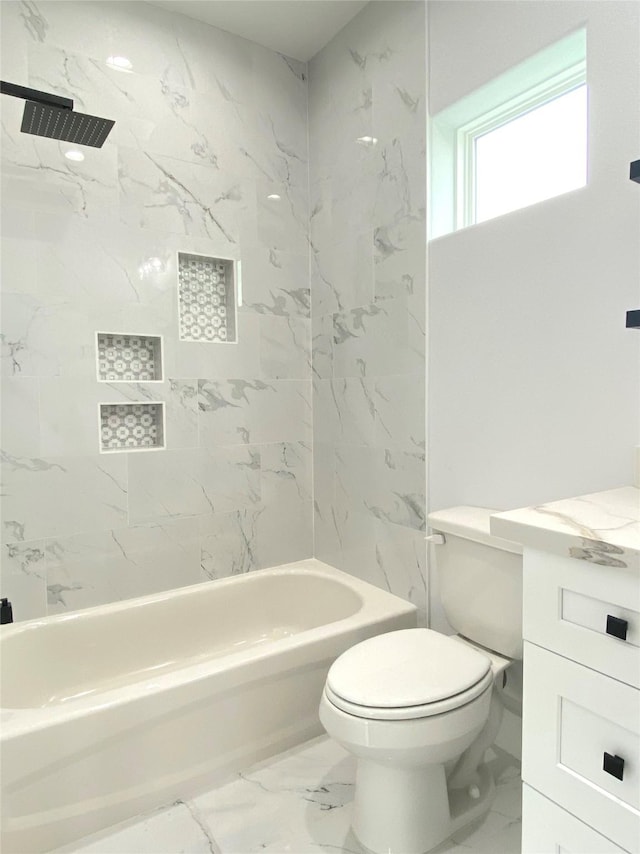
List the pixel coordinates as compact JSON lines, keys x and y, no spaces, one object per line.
{"x":375,"y":604}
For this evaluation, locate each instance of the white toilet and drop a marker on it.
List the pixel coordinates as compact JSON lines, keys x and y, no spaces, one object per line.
{"x":418,"y":708}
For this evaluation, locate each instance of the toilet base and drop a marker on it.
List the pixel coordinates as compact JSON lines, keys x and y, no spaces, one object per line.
{"x":410,"y":811}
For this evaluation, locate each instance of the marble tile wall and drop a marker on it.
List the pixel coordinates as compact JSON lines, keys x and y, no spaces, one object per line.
{"x":207,"y":126}
{"x":367,"y":125}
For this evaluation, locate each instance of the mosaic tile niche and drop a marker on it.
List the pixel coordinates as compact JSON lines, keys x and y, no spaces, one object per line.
{"x":129,"y":358}
{"x":131,"y":426}
{"x":206,"y":298}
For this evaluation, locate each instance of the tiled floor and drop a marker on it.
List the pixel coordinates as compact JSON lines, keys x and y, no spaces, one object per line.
{"x":296,"y":803}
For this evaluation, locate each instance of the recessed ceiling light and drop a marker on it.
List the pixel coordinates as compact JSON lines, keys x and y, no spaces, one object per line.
{"x":367,"y":140}
{"x":274,"y":197}
{"x":74,"y":154}
{"x":120,"y":63}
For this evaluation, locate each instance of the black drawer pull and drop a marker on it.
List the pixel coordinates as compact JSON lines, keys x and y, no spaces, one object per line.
{"x":617,"y":627}
{"x":613,"y":765}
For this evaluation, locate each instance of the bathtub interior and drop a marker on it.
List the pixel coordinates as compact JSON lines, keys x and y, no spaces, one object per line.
{"x":56,"y":661}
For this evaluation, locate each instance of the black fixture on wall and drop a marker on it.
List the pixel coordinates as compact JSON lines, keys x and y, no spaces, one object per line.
{"x":633,"y":317}
{"x":53,"y":116}
{"x":6,"y":612}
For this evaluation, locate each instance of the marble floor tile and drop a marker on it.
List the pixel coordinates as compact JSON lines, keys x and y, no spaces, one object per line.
{"x":171,"y":830}
{"x":296,"y":803}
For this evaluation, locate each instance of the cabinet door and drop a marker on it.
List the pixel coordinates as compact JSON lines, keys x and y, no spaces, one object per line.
{"x":573,"y":716}
{"x":583,"y":611}
{"x":548,"y":829}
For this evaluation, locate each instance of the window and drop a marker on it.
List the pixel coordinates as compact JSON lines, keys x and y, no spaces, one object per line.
{"x":515,"y":142}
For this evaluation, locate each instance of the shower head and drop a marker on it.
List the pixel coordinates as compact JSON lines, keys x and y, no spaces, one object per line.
{"x":57,"y":123}
{"x":53,"y":116}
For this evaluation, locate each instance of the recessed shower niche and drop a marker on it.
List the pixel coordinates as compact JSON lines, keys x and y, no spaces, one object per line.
{"x":131,"y":427}
{"x":129,"y":358}
{"x":207,"y":298}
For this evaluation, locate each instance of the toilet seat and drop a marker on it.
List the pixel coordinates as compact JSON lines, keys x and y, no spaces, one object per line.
{"x":407,"y":674}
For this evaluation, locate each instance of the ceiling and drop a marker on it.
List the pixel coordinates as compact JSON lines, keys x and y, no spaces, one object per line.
{"x":296,"y":28}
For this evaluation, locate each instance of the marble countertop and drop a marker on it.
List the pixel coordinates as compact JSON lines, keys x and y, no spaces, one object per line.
{"x":602,"y":528}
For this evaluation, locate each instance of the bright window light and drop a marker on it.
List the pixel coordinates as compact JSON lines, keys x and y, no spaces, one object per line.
{"x":536,"y":156}
{"x":515,"y":141}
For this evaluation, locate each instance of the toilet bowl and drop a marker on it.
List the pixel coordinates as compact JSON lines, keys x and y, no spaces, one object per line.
{"x":418,"y":709}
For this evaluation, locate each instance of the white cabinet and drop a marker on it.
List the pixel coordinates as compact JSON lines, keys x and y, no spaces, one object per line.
{"x":581,"y":719}
{"x":547,"y":827}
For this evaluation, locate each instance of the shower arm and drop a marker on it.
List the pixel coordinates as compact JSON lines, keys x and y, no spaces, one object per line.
{"x":34,"y":95}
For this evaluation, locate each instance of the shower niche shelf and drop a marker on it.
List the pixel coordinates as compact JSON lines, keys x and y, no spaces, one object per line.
{"x":129,"y":358}
{"x":131,"y":427}
{"x":207,"y":298}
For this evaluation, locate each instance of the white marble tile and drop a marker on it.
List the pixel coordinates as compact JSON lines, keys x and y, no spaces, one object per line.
{"x":108,"y":264}
{"x":282,"y":222}
{"x":400,"y":412}
{"x":275,"y":282}
{"x":94,"y":569}
{"x":322,"y":346}
{"x":228,"y":542}
{"x":375,"y":340}
{"x":230,"y":410}
{"x":59,"y":496}
{"x":164,"y":193}
{"x":325,"y":533}
{"x":45,"y":339}
{"x":20,"y":417}
{"x":222,"y":361}
{"x":23,"y":578}
{"x":352,"y":269}
{"x":86,"y":189}
{"x":285,"y":533}
{"x":400,"y":489}
{"x":401,"y":560}
{"x":192,"y":482}
{"x":246,"y":411}
{"x":20,"y":252}
{"x":159,"y":43}
{"x":69,"y":414}
{"x":151,"y":112}
{"x":298,"y":802}
{"x":347,"y":410}
{"x":173,"y":830}
{"x":285,"y":347}
{"x":325,"y":298}
{"x":286,"y":472}
{"x":285,"y":524}
{"x":400,"y":260}
{"x":13,"y":41}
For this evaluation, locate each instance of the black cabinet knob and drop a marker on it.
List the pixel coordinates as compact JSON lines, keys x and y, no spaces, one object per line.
{"x":617,"y":627}
{"x":613,"y":765}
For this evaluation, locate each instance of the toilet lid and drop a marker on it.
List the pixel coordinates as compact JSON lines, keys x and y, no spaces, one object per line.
{"x":410,"y":667}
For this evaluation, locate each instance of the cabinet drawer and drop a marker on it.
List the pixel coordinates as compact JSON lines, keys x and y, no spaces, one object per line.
{"x":548,"y":829}
{"x":569,"y":604}
{"x":572,"y":717}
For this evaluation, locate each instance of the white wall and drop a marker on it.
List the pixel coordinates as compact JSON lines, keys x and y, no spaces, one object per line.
{"x":534,"y":381}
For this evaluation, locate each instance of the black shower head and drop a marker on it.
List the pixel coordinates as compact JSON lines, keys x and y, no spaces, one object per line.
{"x":53,"y":116}
{"x":63,"y":124}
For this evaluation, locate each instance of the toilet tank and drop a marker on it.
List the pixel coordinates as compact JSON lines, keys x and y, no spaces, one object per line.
{"x":480,"y":579}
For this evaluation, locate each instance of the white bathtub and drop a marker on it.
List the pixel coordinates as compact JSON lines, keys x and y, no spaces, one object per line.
{"x":115,"y":710}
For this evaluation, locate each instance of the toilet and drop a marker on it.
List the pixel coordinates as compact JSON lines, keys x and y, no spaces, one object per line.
{"x":418,"y":708}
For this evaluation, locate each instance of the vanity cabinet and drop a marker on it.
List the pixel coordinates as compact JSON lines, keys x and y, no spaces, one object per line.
{"x":581,"y":718}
